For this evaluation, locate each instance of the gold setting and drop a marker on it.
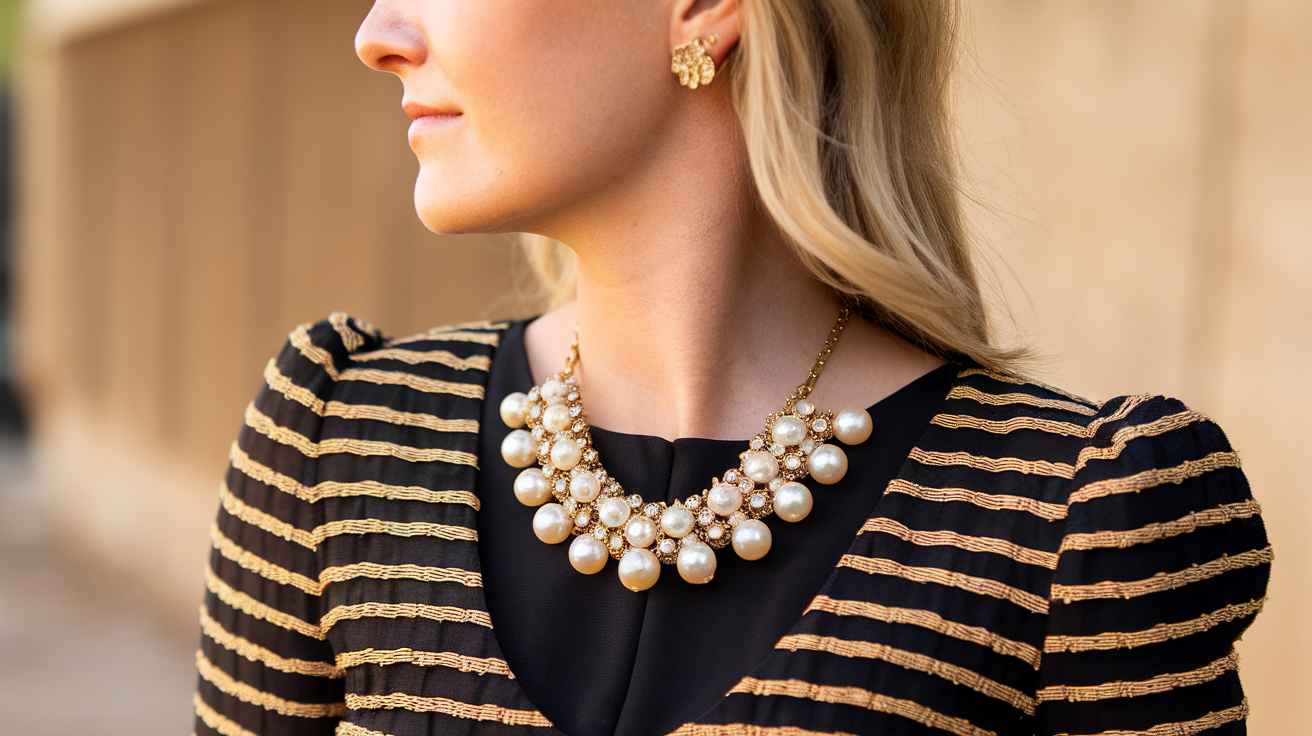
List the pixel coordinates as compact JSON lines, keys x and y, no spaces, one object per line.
{"x":692,"y":64}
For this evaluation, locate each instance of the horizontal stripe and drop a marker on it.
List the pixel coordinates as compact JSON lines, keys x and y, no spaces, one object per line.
{"x":482,"y":338}
{"x":1050,"y":426}
{"x":1155,"y":477}
{"x":254,"y":652}
{"x":1024,"y":555}
{"x":263,"y":521}
{"x":337,"y":489}
{"x":218,"y":721}
{"x":974,"y":394}
{"x":1124,"y":435}
{"x":991,"y":501}
{"x":1134,"y":689}
{"x":1185,"y":728}
{"x":411,"y":381}
{"x":276,"y":381}
{"x":1186,"y":524}
{"x":446,"y":706}
{"x":376,"y":571}
{"x":301,"y":340}
{"x":1157,"y":634}
{"x":254,"y":563}
{"x":980,"y":586}
{"x":747,"y":729}
{"x":255,"y":609}
{"x":346,"y":728}
{"x":928,"y":620}
{"x":1162,"y":581}
{"x":910,"y":660}
{"x":992,"y":464}
{"x":421,"y":357}
{"x":444,"y":614}
{"x":351,"y":338}
{"x":1004,"y":378}
{"x":258,"y":421}
{"x":228,"y":685}
{"x":860,"y":698}
{"x":279,"y":383}
{"x":461,"y":662}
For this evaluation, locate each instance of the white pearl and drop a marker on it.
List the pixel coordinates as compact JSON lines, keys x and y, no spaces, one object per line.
{"x":828,"y":464}
{"x":760,"y":466}
{"x":676,"y":521}
{"x":804,"y":408}
{"x":532,"y":488}
{"x":564,"y":454}
{"x":752,"y":539}
{"x":556,"y":417}
{"x":587,"y":555}
{"x":613,"y":512}
{"x":788,"y":431}
{"x":584,"y":487}
{"x":514,"y":408}
{"x":792,"y":502}
{"x":552,"y":524}
{"x":724,"y":499}
{"x":553,"y":391}
{"x":696,"y":563}
{"x":639,"y":569}
{"x":640,"y":532}
{"x":518,"y":449}
{"x":853,"y":425}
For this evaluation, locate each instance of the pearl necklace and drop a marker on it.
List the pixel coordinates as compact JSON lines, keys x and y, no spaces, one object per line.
{"x":590,"y":504}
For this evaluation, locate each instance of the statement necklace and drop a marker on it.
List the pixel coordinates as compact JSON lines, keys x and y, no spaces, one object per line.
{"x":588,"y":503}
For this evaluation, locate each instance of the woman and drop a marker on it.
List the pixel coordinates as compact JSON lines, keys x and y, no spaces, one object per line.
{"x":746,"y":185}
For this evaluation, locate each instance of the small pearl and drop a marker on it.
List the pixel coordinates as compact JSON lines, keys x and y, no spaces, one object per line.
{"x":584,"y":487}
{"x":792,"y":502}
{"x":556,"y":417}
{"x":552,"y":524}
{"x":696,"y":563}
{"x":760,"y":466}
{"x":553,"y":391}
{"x":587,"y":555}
{"x":532,"y":488}
{"x":751,"y":539}
{"x":518,"y":449}
{"x":564,"y":454}
{"x":639,"y":569}
{"x":724,"y":499}
{"x":514,"y":408}
{"x":828,"y":464}
{"x":613,"y":512}
{"x":640,"y":532}
{"x":788,"y":431}
{"x":676,"y":521}
{"x":804,"y":408}
{"x":853,"y":425}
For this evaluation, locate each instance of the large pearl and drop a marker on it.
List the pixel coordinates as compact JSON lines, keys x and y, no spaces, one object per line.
{"x":613,"y":512}
{"x":788,"y":431}
{"x":518,"y":449}
{"x":640,"y":532}
{"x":532,"y":488}
{"x":556,"y":417}
{"x":553,"y":391}
{"x":564,"y":454}
{"x":853,"y":425}
{"x":552,"y":523}
{"x":696,"y":563}
{"x":751,"y":539}
{"x":724,"y":499}
{"x":676,"y":521}
{"x":584,"y":487}
{"x":828,"y":464}
{"x":514,"y":409}
{"x":760,"y":466}
{"x":587,"y":555}
{"x":639,"y":569}
{"x":792,"y":502}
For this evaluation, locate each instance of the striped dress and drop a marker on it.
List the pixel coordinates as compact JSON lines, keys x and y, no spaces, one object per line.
{"x":1040,"y":565}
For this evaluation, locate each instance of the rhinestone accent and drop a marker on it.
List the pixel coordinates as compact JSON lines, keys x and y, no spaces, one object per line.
{"x":534,"y":393}
{"x":544,"y":448}
{"x":582,"y":519}
{"x":535,"y":411}
{"x":775,"y":483}
{"x":730,"y":476}
{"x":804,"y":408}
{"x":616,"y":542}
{"x":693,"y":502}
{"x":792,"y":462}
{"x":808,"y":445}
{"x":599,"y":534}
{"x":756,"y":443}
{"x":652,"y":510}
{"x":706,"y":517}
{"x":561,"y":485}
{"x":666,"y":546}
{"x":539,"y":433}
{"x":575,"y":410}
{"x":590,"y":455}
{"x":573,"y":397}
{"x":715,"y":532}
{"x":746,"y":485}
{"x":757,"y":501}
{"x":570,"y":505}
{"x":820,"y":425}
{"x":777,"y":450}
{"x":579,"y":426}
{"x":635,"y":501}
{"x":739,"y":517}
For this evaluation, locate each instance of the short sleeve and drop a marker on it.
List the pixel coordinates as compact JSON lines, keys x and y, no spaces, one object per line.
{"x":1163,"y":565}
{"x":264,"y":664}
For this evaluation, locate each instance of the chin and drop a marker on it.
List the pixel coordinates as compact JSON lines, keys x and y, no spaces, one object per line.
{"x":449,"y":205}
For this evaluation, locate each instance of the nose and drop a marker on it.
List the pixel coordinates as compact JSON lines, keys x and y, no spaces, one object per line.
{"x":389,"y":41}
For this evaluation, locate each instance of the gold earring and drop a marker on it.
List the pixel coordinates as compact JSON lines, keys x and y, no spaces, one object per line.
{"x":692,"y":64}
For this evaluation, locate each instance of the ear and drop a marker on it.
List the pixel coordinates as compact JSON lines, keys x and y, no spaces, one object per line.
{"x":693,"y":19}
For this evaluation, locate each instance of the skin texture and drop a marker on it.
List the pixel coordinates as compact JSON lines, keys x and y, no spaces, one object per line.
{"x":562,"y":118}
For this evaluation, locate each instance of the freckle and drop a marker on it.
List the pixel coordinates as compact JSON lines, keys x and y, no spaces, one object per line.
{"x":635,"y":223}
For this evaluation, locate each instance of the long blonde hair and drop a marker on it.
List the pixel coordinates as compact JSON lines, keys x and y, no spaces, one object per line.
{"x":845,"y":107}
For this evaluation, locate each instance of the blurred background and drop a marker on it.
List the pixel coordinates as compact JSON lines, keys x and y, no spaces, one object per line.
{"x":183,"y":181}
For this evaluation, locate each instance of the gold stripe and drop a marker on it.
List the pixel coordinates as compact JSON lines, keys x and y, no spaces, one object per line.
{"x":482,"y":338}
{"x":1187,"y":728}
{"x":1024,"y":555}
{"x":420,"y":357}
{"x":276,"y":381}
{"x":376,"y":571}
{"x":247,"y":694}
{"x":409,"y":380}
{"x":974,"y":394}
{"x":1067,"y":429}
{"x":1153,"y":532}
{"x":305,"y":397}
{"x":1162,"y":581}
{"x":980,"y":586}
{"x":1151,"y":686}
{"x":336,"y":489}
{"x":461,"y":662}
{"x":1155,"y":477}
{"x":928,"y":620}
{"x":255,"y":609}
{"x":1022,"y":382}
{"x":994,"y":465}
{"x":446,"y":706}
{"x":256,"y":653}
{"x":1156,"y":635}
{"x":405,"y":610}
{"x":250,"y":561}
{"x":261,"y":520}
{"x":261,"y":423}
{"x":346,"y":728}
{"x":747,"y":729}
{"x":1125,"y":434}
{"x":910,"y":660}
{"x":300,"y":339}
{"x":350,"y":338}
{"x":860,"y":698}
{"x":991,"y":501}
{"x":216,"y":721}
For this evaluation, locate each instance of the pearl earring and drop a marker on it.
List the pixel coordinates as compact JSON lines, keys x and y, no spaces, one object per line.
{"x":692,"y":64}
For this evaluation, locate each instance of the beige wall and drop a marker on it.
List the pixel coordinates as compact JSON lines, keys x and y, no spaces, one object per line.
{"x":200,"y":182}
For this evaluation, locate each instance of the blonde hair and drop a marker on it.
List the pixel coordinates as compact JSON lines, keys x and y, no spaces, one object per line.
{"x":845,"y":107}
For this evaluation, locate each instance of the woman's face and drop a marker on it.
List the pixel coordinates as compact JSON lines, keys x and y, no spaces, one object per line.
{"x":526,"y":112}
